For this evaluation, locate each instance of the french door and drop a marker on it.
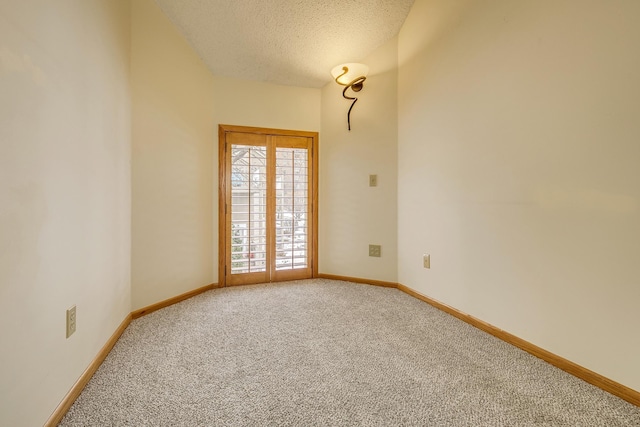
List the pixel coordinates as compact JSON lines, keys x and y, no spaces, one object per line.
{"x":268,"y":205}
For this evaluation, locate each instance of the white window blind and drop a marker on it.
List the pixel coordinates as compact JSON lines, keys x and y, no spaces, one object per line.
{"x":248,"y":209}
{"x":292,"y":208}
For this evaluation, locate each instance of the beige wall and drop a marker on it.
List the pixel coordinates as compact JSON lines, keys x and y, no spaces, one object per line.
{"x":65,"y":140}
{"x":173,"y":135}
{"x":518,"y":170}
{"x":352,"y":214}
{"x":177,"y":106}
{"x":246,"y":103}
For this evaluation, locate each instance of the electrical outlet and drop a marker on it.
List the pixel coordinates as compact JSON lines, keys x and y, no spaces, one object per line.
{"x":426,"y":261}
{"x":375,"y":250}
{"x":71,"y":321}
{"x":373,"y":180}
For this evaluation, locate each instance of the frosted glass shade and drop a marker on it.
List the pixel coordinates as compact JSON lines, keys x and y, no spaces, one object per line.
{"x":355,"y":70}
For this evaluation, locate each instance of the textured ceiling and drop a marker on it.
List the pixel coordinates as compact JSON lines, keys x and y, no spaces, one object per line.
{"x":289,"y":42}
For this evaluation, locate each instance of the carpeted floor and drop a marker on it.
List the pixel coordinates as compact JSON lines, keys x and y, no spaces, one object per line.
{"x":328,"y":353}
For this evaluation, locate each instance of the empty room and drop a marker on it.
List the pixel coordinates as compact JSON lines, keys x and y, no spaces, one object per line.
{"x":335,"y":213}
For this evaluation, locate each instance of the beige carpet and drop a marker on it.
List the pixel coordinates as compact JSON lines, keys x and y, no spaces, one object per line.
{"x":328,"y":353}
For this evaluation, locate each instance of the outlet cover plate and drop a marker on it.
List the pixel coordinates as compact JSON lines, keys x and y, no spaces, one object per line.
{"x":71,"y":321}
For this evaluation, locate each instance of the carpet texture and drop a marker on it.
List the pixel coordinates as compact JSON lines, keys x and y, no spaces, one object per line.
{"x":328,"y":353}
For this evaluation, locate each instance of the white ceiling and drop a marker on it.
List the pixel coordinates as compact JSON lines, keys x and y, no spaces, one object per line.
{"x":289,"y":42}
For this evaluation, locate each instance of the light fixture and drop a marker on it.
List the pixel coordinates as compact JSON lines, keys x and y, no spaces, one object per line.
{"x":351,"y":76}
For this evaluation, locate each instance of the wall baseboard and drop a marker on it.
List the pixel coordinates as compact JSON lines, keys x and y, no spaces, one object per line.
{"x":610,"y":386}
{"x":166,"y":303}
{"x":77,"y":388}
{"x":357,"y":280}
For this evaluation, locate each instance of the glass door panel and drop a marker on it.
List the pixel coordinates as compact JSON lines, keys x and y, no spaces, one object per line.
{"x":291,"y":202}
{"x":248,"y":209}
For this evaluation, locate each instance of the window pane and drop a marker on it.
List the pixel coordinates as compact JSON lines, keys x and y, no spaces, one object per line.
{"x":291,"y":208}
{"x":248,"y":209}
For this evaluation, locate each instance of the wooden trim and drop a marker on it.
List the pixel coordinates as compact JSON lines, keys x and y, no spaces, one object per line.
{"x":77,"y":388}
{"x":266,"y":131}
{"x":617,"y":389}
{"x":270,"y":222}
{"x":358,"y":280}
{"x":166,"y":303}
{"x":630,"y":395}
{"x":314,"y":203}
{"x":224,"y":177}
{"x":222,"y":202}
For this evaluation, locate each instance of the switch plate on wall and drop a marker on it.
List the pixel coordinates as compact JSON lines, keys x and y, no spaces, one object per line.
{"x":426,"y":261}
{"x":71,"y":321}
{"x":373,"y":180}
{"x":375,"y":250}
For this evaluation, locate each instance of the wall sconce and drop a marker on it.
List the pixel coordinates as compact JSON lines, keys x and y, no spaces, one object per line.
{"x":351,"y":76}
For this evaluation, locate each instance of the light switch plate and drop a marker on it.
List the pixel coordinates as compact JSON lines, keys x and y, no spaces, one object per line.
{"x":426,"y":261}
{"x":373,"y":180}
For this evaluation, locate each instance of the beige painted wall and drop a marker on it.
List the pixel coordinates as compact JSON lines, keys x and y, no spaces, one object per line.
{"x":518,"y":170}
{"x":352,"y":214}
{"x":65,"y":141}
{"x":173,"y":134}
{"x":177,"y":106}
{"x":246,"y":103}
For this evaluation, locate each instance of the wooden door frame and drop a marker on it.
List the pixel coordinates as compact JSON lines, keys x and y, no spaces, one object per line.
{"x":224,"y":176}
